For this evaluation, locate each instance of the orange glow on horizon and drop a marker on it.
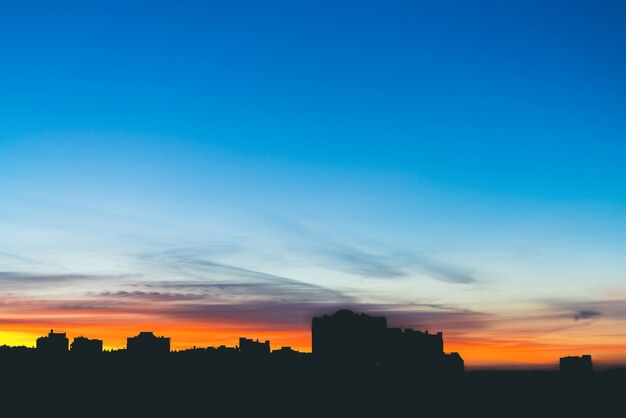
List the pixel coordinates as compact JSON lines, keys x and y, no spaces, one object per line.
{"x":477,"y":353}
{"x":510,"y":343}
{"x":182,"y":336}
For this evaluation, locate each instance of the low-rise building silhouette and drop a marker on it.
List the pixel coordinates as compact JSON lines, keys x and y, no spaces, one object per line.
{"x":359,"y":339}
{"x":576,"y":364}
{"x":53,"y":343}
{"x":147,"y":343}
{"x":83,"y":345}
{"x":453,"y":363}
{"x":287,"y":350}
{"x":288,"y":354}
{"x":250,"y":347}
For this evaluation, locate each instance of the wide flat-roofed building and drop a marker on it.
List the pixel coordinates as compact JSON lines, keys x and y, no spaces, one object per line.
{"x":576,"y":364}
{"x":348,"y":338}
{"x":83,"y":345}
{"x":53,"y":343}
{"x":148,"y":343}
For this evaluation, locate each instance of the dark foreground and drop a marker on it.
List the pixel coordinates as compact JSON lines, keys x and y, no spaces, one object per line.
{"x":144,"y":387}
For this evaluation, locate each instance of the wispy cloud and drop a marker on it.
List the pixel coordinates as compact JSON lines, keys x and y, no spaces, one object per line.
{"x":443,"y":271}
{"x":204,"y":291}
{"x":586,"y":310}
{"x":345,"y":257}
{"x":153,"y":296}
{"x":192,"y":272}
{"x":191,"y":307}
{"x":15,"y":282}
{"x":25,"y":260}
{"x":586,"y":314}
{"x":196,"y":290}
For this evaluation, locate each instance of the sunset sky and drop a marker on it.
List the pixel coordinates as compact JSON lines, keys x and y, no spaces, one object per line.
{"x":211,"y":170}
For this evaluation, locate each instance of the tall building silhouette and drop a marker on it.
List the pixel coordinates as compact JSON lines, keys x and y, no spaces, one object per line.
{"x":147,"y":343}
{"x":348,"y":337}
{"x":53,"y":343}
{"x":83,"y":345}
{"x":359,"y":339}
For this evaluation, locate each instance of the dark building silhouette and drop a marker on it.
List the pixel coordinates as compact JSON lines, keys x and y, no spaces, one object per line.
{"x":20,"y":348}
{"x":412,"y":346}
{"x":453,"y":363}
{"x":286,"y":351}
{"x":360,"y":367}
{"x":83,"y":345}
{"x":288,"y":354}
{"x":575,"y":364}
{"x":147,"y":343}
{"x":250,"y":347}
{"x":54,"y":343}
{"x":223,"y":349}
{"x":359,"y":339}
{"x":346,"y":336}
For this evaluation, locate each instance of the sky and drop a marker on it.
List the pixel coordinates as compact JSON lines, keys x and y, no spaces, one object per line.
{"x":211,"y":170}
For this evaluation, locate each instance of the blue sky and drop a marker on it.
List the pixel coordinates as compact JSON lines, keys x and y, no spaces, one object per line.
{"x":465,"y":154}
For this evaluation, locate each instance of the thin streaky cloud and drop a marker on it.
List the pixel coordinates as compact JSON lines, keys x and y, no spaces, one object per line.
{"x":341,"y":256}
{"x":15,"y":281}
{"x":209,"y":274}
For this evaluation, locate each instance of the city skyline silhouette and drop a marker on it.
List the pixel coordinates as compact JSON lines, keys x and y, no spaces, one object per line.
{"x":358,"y":365}
{"x":343,"y":338}
{"x":337,"y":208}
